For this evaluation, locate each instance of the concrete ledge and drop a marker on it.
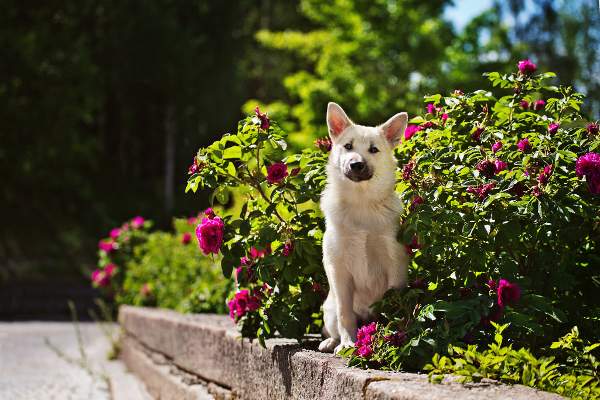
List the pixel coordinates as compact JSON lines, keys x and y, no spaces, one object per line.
{"x":207,"y":347}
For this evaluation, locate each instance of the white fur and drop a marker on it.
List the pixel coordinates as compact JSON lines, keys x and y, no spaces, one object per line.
{"x":361,"y":256}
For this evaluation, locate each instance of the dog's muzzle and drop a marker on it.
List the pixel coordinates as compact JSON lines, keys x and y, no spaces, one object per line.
{"x":358,"y":172}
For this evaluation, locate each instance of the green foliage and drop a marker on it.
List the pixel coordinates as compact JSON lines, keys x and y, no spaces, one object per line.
{"x":580,"y":380}
{"x":278,"y":217}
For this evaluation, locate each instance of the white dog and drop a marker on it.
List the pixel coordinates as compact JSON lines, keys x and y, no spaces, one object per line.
{"x":362,"y":210}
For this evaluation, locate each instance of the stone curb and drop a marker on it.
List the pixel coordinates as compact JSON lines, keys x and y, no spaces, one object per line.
{"x":208,"y":347}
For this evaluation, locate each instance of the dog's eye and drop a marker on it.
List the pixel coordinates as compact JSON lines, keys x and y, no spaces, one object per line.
{"x":374,"y":150}
{"x":348,"y":146}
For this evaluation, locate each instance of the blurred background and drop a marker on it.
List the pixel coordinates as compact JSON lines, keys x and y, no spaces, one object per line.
{"x":103,"y":103}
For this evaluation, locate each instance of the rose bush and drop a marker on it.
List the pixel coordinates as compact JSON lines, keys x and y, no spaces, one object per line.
{"x":161,"y":269}
{"x":502,"y":218}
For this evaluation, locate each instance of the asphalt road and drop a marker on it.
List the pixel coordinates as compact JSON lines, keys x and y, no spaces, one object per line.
{"x":31,"y":369}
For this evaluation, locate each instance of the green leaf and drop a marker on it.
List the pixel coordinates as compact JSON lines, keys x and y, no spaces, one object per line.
{"x":512,"y":229}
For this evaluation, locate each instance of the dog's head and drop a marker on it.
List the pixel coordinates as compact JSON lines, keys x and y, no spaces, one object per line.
{"x":360,"y":152}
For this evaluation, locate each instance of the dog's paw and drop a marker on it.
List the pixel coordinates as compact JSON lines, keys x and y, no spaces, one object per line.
{"x":342,"y":346}
{"x":328,"y":345}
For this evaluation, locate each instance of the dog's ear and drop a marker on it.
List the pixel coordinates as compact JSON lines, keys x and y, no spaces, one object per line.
{"x":337,"y":120}
{"x":394,"y":128}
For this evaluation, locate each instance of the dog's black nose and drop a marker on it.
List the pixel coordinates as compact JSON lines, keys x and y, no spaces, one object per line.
{"x":357,"y":166}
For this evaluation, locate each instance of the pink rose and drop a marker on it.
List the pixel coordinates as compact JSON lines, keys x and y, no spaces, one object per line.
{"x":492,"y":285}
{"x":107,"y":247}
{"x":500,"y":166}
{"x":137,"y":222}
{"x":414,"y":245}
{"x":276,"y":172}
{"x":410,"y":131}
{"x":186,"y":238}
{"x":508,"y":293}
{"x":254,"y":303}
{"x":209,"y":213}
{"x":287,"y":248}
{"x":444,"y":117}
{"x":210,"y":235}
{"x":527,"y":67}
{"x":115,"y":233}
{"x":295,"y":171}
{"x":497,"y":146}
{"x":264,"y":119}
{"x":110,"y":269}
{"x":524,"y":146}
{"x":365,"y":351}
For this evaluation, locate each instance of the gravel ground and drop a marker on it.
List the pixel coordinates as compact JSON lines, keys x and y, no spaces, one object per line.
{"x":30,"y":369}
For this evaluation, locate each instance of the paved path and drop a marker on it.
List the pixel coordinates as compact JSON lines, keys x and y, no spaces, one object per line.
{"x":30,"y":369}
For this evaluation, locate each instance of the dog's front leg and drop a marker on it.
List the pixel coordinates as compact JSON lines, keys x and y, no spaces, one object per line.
{"x":346,"y":317}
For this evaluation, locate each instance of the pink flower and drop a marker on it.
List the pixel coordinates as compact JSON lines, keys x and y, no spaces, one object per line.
{"x":524,"y":146}
{"x":276,"y":172}
{"x":487,"y":168}
{"x":257,"y":254}
{"x":125,"y":226}
{"x":444,"y":117}
{"x":364,"y":334}
{"x":324,"y":145}
{"x":500,"y":166}
{"x":232,"y":304}
{"x":482,"y":191}
{"x":397,"y":339}
{"x":497,"y":146}
{"x":287,"y":248}
{"x":317,"y":287}
{"x":589,"y":166}
{"x":191,"y":221}
{"x":239,"y":305}
{"x":508,"y":293}
{"x":365,"y":351}
{"x":407,"y":170}
{"x":592,"y":129}
{"x":100,"y":278}
{"x":417,"y":200}
{"x":553,"y":128}
{"x":137,"y":222}
{"x":492,"y":285}
{"x":110,"y":269}
{"x":527,"y":67}
{"x":107,"y":247}
{"x":210,"y":235}
{"x":427,"y":124}
{"x":539,"y":105}
{"x":264,"y":119}
{"x":457,"y":91}
{"x":186,"y":238}
{"x":476,"y":135}
{"x":430,"y":108}
{"x":115,"y":233}
{"x":518,"y":190}
{"x":209,"y":213}
{"x":295,"y":171}
{"x":195,"y":167}
{"x":413,"y":247}
{"x":524,"y":105}
{"x":254,"y":303}
{"x":543,"y":178}
{"x":411,"y":130}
